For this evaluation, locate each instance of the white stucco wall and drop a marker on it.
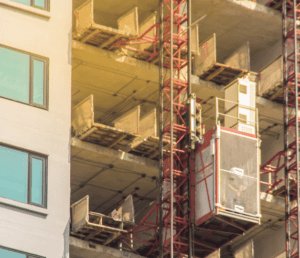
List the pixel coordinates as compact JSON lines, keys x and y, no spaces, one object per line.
{"x":42,"y":131}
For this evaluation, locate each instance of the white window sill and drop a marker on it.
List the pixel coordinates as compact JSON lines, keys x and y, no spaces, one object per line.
{"x":25,"y":8}
{"x":23,"y":206}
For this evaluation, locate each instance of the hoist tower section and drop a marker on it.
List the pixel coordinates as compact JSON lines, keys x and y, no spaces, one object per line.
{"x":291,"y":40}
{"x":176,"y":214}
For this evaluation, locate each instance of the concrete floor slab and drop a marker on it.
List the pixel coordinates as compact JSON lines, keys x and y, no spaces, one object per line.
{"x":83,"y":249}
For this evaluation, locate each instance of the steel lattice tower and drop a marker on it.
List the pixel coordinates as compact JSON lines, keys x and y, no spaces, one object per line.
{"x":175,"y":70}
{"x":291,"y":39}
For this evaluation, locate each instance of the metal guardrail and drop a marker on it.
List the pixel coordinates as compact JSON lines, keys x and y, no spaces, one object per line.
{"x":214,"y":112}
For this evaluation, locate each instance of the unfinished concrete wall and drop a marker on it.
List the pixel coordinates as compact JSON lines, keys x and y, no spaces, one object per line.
{"x":24,"y":227}
{"x":271,"y":245}
{"x":266,"y":56}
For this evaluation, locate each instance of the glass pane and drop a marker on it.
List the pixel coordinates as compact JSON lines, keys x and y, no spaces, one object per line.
{"x":40,"y":3}
{"x":38,"y":82}
{"x":238,"y":173}
{"x":10,"y":254}
{"x":37,"y":181}
{"x":14,"y":75}
{"x":13,"y":174}
{"x":27,"y":2}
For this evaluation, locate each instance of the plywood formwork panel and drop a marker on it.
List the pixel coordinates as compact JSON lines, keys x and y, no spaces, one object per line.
{"x":240,"y":58}
{"x":83,"y":116}
{"x":130,"y":121}
{"x":195,"y":48}
{"x":146,"y":25}
{"x":85,"y":128}
{"x":84,"y":16}
{"x":99,"y":227}
{"x":205,"y":64}
{"x":207,"y":56}
{"x":147,"y":127}
{"x":271,"y":80}
{"x":129,"y":22}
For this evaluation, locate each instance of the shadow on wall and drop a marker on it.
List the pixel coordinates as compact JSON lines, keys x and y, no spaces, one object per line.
{"x":66,"y":235}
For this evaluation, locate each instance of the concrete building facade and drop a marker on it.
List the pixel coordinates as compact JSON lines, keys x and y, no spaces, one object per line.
{"x":35,"y":99}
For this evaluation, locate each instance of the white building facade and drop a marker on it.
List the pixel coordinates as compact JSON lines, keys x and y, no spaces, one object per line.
{"x":35,"y":100}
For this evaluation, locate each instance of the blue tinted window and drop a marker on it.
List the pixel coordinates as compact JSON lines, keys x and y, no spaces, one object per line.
{"x":40,"y":3}
{"x":37,"y":181}
{"x":27,"y":2}
{"x":13,"y":174}
{"x":38,"y":82}
{"x":14,"y":75}
{"x":10,"y":254}
{"x":23,"y":77}
{"x":35,"y":3}
{"x":16,"y":172}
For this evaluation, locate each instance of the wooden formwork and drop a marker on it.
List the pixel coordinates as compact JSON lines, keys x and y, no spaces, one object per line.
{"x":87,"y":31}
{"x":148,"y":144}
{"x":85,"y":128}
{"x":205,"y":64}
{"x":130,"y":132}
{"x":270,"y":83}
{"x":140,"y":40}
{"x":100,"y":228}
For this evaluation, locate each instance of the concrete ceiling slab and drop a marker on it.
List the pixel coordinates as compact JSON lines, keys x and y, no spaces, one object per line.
{"x":113,"y":80}
{"x":150,"y":171}
{"x":82,"y":170}
{"x":101,"y":172}
{"x":117,"y":180}
{"x":97,"y":195}
{"x":111,"y":204}
{"x":108,"y":80}
{"x":142,"y":187}
{"x":230,"y":20}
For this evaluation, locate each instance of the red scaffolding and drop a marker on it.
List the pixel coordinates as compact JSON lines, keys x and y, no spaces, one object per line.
{"x":175,"y":212}
{"x":288,"y":159}
{"x":171,"y":45}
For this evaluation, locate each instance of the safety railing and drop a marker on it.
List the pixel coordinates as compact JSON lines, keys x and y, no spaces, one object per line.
{"x":226,"y":113}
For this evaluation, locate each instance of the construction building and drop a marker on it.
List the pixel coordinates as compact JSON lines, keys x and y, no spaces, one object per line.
{"x":160,"y":140}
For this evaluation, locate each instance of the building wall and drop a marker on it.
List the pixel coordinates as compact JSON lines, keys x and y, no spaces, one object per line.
{"x":40,"y":231}
{"x":265,"y":57}
{"x":271,"y":245}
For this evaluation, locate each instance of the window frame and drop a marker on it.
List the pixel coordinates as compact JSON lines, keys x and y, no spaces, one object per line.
{"x":47,"y":5}
{"x":32,"y":4}
{"x":44,"y":181}
{"x":28,"y":255}
{"x":43,"y":59}
{"x":39,"y":156}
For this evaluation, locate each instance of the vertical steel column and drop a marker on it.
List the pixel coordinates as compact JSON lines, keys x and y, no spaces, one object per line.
{"x":161,"y":125}
{"x":295,"y":14}
{"x":172,"y":128}
{"x":285,"y":113}
{"x":291,"y":125}
{"x":191,"y":189}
